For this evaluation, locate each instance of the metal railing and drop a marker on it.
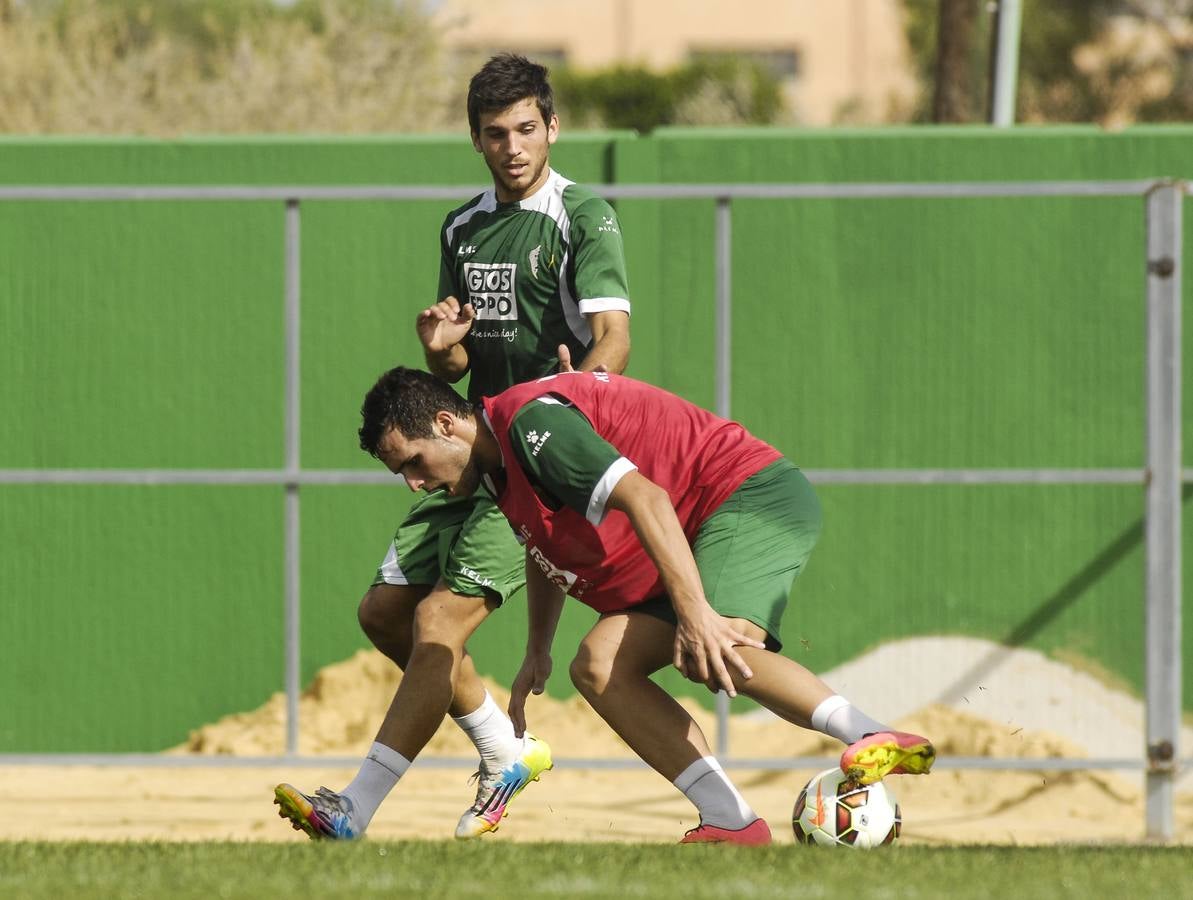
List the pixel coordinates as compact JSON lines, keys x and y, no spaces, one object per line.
{"x":1162,"y":474}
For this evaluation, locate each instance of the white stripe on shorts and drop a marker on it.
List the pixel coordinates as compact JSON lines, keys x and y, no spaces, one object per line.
{"x":390,"y":571}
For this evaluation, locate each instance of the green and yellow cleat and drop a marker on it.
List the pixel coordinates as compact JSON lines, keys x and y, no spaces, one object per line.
{"x":887,"y":753}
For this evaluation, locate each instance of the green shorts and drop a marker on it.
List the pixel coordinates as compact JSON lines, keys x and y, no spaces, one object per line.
{"x":465,"y":541}
{"x":751,"y":550}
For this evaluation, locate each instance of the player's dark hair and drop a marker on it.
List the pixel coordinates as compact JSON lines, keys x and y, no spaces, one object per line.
{"x":507,"y":79}
{"x":406,"y":399}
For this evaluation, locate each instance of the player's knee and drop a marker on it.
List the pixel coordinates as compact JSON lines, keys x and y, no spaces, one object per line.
{"x":589,"y":673}
{"x":366,"y":614}
{"x":374,"y":615}
{"x":386,"y":621}
{"x":441,"y":625}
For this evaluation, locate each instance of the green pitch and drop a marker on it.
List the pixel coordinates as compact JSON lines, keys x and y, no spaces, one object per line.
{"x":491,"y":869}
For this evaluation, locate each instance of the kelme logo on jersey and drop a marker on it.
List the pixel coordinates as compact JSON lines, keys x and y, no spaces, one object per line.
{"x":491,"y":289}
{"x":536,"y":440}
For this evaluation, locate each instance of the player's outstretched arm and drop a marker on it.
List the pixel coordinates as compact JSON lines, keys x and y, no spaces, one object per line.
{"x":441,"y":329}
{"x":704,"y":640}
{"x":544,"y":603}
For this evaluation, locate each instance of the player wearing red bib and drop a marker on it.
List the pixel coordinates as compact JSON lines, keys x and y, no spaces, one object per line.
{"x":696,"y":457}
{"x":683,"y":530}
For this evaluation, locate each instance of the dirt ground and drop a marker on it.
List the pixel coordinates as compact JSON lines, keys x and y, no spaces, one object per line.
{"x":339,"y":713}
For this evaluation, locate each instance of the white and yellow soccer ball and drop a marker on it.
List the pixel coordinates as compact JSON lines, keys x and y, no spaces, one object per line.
{"x":834,"y":811}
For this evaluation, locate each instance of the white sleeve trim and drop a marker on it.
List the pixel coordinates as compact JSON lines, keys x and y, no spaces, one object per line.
{"x":604,"y":304}
{"x":600,"y":494}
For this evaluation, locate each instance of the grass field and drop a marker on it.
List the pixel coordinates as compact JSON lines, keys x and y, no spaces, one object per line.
{"x":491,"y":869}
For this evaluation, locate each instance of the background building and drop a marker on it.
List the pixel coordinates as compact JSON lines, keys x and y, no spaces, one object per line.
{"x":843,"y":61}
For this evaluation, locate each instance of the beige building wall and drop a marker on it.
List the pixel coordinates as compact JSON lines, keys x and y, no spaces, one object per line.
{"x":844,"y":60}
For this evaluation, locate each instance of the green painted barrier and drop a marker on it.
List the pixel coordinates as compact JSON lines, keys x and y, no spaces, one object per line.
{"x":878,"y":333}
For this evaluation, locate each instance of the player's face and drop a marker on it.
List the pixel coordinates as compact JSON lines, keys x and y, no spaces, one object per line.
{"x":516,"y":143}
{"x":442,"y":461}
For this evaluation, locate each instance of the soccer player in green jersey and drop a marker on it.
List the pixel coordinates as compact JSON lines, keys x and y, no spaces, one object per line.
{"x":532,"y":276}
{"x":683,"y":530}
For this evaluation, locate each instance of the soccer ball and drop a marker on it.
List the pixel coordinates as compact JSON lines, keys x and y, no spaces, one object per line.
{"x":833,"y":810}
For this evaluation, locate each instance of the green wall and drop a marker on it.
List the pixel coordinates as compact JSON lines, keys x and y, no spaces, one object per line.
{"x":928,"y":333}
{"x":892,"y":333}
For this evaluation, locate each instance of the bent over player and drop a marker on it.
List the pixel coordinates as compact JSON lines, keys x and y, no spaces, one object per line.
{"x":532,"y":275}
{"x":680,"y":528}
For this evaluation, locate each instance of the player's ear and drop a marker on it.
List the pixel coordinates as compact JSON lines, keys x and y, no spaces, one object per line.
{"x":445,"y":422}
{"x":552,"y":129}
{"x":476,"y":142}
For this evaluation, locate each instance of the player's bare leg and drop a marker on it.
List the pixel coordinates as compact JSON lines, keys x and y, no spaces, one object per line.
{"x":386,"y":615}
{"x":508,"y":763}
{"x":612,"y":671}
{"x":443,"y":622}
{"x":438,"y":677}
{"x":793,"y":693}
{"x":418,"y":707}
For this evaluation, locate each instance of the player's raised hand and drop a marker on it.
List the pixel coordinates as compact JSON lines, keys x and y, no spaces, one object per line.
{"x":531,"y":679}
{"x":442,"y":326}
{"x":705,"y":649}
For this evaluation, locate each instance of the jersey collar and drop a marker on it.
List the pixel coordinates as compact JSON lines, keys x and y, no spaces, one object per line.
{"x":534,"y":199}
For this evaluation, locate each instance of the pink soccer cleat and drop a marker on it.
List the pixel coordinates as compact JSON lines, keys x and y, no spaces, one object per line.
{"x":887,"y":753}
{"x":756,"y":834}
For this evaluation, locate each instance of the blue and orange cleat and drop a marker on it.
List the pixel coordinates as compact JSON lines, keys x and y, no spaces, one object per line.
{"x":495,"y":791}
{"x":325,"y":816}
{"x":756,"y":834}
{"x":887,"y":753}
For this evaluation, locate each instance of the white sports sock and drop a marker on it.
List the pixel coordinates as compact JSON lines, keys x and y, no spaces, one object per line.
{"x":377,"y":776}
{"x":837,"y":717}
{"x":705,"y":783}
{"x":490,"y":729}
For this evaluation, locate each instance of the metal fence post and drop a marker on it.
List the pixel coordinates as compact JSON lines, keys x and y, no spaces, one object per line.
{"x":1163,"y":515}
{"x":1006,"y":62}
{"x":292,"y":464}
{"x":724,"y":343}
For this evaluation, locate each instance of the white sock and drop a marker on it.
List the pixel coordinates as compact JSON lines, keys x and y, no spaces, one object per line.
{"x":377,"y":776}
{"x":705,"y":783}
{"x":837,"y":717}
{"x":491,"y":730}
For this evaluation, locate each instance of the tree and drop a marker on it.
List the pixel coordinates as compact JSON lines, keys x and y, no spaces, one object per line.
{"x":1105,"y":61}
{"x":954,"y":61}
{"x":705,"y":92}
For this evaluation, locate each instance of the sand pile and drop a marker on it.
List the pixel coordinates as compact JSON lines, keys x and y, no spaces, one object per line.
{"x":341,"y":709}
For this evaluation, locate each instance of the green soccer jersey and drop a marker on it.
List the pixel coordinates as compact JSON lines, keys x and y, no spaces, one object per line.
{"x":532,"y":270}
